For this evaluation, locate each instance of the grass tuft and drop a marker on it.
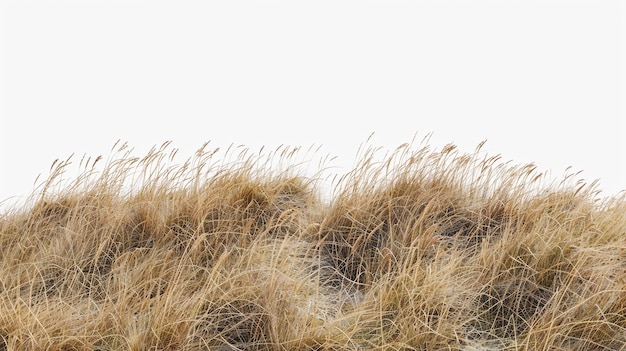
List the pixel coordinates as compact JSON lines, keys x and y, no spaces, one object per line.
{"x":424,"y":250}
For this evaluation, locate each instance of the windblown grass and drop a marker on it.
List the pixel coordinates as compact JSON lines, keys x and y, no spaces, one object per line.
{"x":426,"y":250}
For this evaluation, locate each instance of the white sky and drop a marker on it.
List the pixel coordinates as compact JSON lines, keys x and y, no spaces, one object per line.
{"x":542,"y":81}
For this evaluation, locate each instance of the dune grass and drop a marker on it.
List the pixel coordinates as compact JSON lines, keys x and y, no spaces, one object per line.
{"x":424,"y":250}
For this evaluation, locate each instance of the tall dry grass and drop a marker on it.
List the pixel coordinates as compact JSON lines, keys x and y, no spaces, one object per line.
{"x":424,"y":250}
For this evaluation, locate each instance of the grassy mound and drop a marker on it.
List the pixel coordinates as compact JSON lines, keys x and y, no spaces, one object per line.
{"x":425,"y":250}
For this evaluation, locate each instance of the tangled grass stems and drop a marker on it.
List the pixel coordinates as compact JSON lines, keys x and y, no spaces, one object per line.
{"x":422,"y":250}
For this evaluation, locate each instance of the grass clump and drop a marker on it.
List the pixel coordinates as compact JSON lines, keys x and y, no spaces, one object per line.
{"x":424,"y":250}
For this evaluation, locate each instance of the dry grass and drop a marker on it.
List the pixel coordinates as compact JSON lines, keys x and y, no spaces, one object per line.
{"x":426,"y":250}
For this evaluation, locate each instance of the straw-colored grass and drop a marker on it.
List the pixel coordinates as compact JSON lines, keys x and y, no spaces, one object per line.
{"x":423,"y":250}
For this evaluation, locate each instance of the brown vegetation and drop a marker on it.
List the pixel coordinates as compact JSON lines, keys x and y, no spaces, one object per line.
{"x":426,"y":250}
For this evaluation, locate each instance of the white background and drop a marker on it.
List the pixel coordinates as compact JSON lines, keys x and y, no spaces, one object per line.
{"x":541,"y":81}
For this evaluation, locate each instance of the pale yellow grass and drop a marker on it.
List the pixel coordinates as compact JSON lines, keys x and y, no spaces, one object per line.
{"x":426,"y":250}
